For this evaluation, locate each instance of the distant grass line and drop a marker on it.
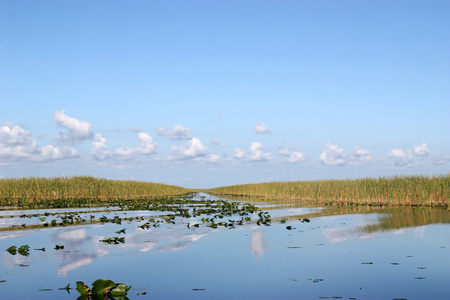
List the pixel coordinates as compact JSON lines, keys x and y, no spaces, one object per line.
{"x":36,"y":190}
{"x":415,"y":190}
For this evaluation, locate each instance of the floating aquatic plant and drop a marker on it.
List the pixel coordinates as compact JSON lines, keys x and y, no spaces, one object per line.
{"x":67,"y":288}
{"x":113,"y":240}
{"x":12,"y":250}
{"x":23,"y":250}
{"x":102,"y":287}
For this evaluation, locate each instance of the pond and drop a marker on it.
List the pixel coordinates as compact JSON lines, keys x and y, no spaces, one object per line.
{"x":283,"y":251}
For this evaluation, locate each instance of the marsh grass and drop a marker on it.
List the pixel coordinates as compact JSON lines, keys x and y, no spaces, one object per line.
{"x":384,"y":191}
{"x":35,"y":190}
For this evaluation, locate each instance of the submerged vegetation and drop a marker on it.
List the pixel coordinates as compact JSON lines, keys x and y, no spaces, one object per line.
{"x":384,"y":191}
{"x":25,"y":191}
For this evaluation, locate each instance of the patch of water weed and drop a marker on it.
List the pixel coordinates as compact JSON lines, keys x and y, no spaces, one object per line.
{"x":185,"y":207}
{"x":22,"y":250}
{"x":102,"y":288}
{"x":113,"y":241}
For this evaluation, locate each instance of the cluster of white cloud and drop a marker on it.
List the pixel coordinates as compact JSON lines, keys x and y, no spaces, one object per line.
{"x":16,"y":143}
{"x":337,"y":156}
{"x":404,"y":158}
{"x":147,"y":147}
{"x":254,"y":153}
{"x":261,"y":128}
{"x":78,"y":130}
{"x":441,"y":158}
{"x":292,"y":157}
{"x":100,"y":150}
{"x":334,"y":155}
{"x":177,"y":132}
{"x":192,"y":149}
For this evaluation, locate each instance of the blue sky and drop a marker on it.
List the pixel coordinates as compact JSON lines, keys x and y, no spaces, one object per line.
{"x":210,"y":93}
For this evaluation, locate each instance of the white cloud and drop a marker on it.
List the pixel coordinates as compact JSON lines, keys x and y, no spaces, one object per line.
{"x":147,"y":147}
{"x":397,"y":153}
{"x":404,"y":158}
{"x":99,"y":152}
{"x":283,"y":152}
{"x":255,"y":153}
{"x":177,"y":132}
{"x":192,"y":149}
{"x":441,"y":158}
{"x":421,"y":150}
{"x":361,"y":157}
{"x":334,"y":156}
{"x":212,"y":158}
{"x":78,"y":130}
{"x":16,"y":143}
{"x":296,"y":157}
{"x":50,"y":152}
{"x":291,"y":157}
{"x":261,"y":128}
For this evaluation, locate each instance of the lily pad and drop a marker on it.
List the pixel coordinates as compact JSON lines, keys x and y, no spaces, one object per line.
{"x":102,"y":286}
{"x":23,"y":250}
{"x":120,"y":290}
{"x":82,"y":288}
{"x":12,"y":250}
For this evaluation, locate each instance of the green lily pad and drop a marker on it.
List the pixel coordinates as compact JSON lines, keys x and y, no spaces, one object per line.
{"x":12,"y":250}
{"x":102,"y":286}
{"x":82,"y":288}
{"x":24,"y":248}
{"x":120,"y":290}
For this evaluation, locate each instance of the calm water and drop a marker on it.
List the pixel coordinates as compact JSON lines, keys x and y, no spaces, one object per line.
{"x":353,"y":253}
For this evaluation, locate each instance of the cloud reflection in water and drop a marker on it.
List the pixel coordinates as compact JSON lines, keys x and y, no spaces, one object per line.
{"x":258,"y":243}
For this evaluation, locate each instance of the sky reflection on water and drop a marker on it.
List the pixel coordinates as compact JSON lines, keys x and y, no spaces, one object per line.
{"x":347,"y":254}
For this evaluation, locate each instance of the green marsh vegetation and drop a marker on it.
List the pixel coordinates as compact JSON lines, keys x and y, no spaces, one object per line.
{"x":166,"y":210}
{"x":384,"y":191}
{"x":81,"y":189}
{"x":85,"y":190}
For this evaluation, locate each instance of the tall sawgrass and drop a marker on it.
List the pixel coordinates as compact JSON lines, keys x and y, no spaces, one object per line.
{"x":31,"y":190}
{"x":392,"y":191}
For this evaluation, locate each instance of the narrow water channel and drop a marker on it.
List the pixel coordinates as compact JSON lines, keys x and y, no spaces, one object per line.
{"x":284,"y":251}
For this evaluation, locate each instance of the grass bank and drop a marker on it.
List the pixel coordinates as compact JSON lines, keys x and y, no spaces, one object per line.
{"x":37,"y":190}
{"x":384,"y":191}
